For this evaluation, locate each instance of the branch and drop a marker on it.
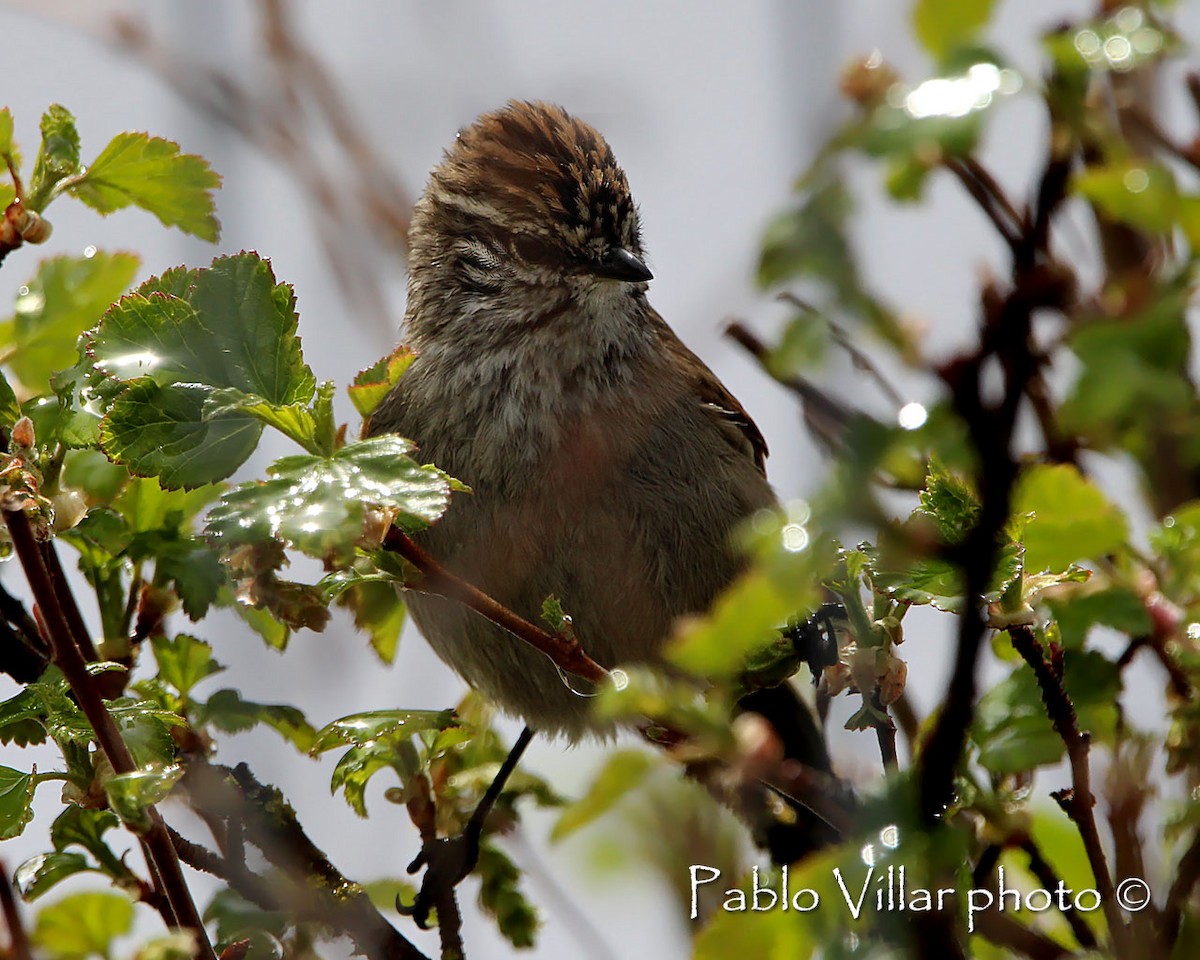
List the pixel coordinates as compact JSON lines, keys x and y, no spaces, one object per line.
{"x":564,"y":650}
{"x":1187,"y":875}
{"x":821,"y":793}
{"x":18,"y":945}
{"x":1077,"y":801}
{"x":827,"y":419}
{"x":161,"y":856}
{"x":1050,"y":880}
{"x":318,"y":892}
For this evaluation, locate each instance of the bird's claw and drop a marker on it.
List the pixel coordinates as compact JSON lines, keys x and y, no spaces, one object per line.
{"x":447,"y":861}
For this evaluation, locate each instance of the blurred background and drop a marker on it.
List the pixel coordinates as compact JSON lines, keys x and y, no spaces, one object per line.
{"x":712,"y":108}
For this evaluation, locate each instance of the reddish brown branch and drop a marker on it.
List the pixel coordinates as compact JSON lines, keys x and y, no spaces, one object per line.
{"x":1078,"y":802}
{"x":565,"y":651}
{"x":161,"y":858}
{"x":18,"y":938}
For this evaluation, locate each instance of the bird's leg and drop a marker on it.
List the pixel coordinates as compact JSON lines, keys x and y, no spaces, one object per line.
{"x":448,"y":860}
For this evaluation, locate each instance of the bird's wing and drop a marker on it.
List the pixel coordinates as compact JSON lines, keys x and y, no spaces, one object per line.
{"x":711,"y":394}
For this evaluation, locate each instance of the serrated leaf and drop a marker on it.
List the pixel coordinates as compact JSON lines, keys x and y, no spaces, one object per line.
{"x":358,"y":765}
{"x":151,"y":173}
{"x":226,"y":710}
{"x":161,"y":432}
{"x":40,"y":874}
{"x":293,"y":420}
{"x":942,"y":26}
{"x":85,"y":827}
{"x":230,"y":325}
{"x":500,"y":896}
{"x":363,"y":728}
{"x":1072,"y":520}
{"x":379,"y":612}
{"x":83,"y":925}
{"x":274,"y":634}
{"x":66,"y":296}
{"x":129,"y":794}
{"x":183,"y":661}
{"x":179,"y":339}
{"x":16,"y":801}
{"x":319,"y":504}
{"x":57,"y":156}
{"x":622,"y":772}
{"x":374,"y":383}
{"x":949,"y":501}
{"x":147,"y":506}
{"x":21,"y":719}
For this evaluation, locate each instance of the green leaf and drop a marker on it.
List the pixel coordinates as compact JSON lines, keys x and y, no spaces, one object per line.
{"x":358,"y":765}
{"x":83,"y":925}
{"x":6,"y":132}
{"x":129,"y":794}
{"x":1072,"y":520}
{"x":21,"y":719}
{"x":1142,"y":195}
{"x":949,"y":501}
{"x":161,"y":432}
{"x":943,"y":26}
{"x":179,"y":339}
{"x":183,"y":661}
{"x":150,"y":172}
{"x":40,"y":874}
{"x":10,"y":410}
{"x":274,"y":634}
{"x":66,"y":296}
{"x":371,"y":385}
{"x":16,"y":799}
{"x":379,"y":612}
{"x":622,"y":772}
{"x":295,"y":420}
{"x":85,"y":827}
{"x":319,"y":504}
{"x":238,"y":919}
{"x":230,"y":325}
{"x":1012,"y":729}
{"x":226,"y":710}
{"x":500,"y":896}
{"x":360,"y":729}
{"x":57,"y":157}
{"x":379,"y":740}
{"x":147,"y":506}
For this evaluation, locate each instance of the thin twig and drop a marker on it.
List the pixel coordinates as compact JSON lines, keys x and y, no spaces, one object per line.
{"x":1050,"y":880}
{"x":857,"y":357}
{"x":828,"y":420}
{"x":998,"y":210}
{"x":564,"y":650}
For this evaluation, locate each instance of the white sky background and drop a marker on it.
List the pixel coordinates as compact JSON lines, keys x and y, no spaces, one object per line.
{"x":712,"y":108}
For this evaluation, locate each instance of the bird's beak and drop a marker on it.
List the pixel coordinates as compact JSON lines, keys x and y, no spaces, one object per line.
{"x":620,"y":264}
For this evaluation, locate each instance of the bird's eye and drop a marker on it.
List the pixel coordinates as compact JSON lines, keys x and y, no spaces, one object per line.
{"x":481,"y":265}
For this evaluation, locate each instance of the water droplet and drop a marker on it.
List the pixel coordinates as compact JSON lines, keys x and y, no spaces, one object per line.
{"x":912,"y":415}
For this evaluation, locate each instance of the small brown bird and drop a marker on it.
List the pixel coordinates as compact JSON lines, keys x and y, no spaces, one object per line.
{"x":609,"y":465}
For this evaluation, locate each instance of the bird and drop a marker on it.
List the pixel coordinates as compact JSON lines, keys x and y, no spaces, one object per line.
{"x":608,"y":466}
